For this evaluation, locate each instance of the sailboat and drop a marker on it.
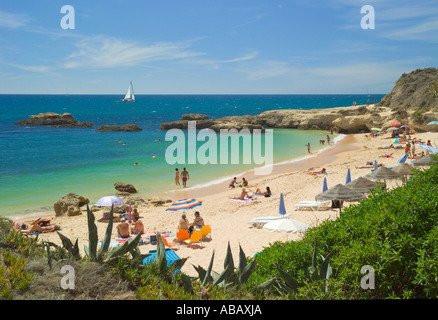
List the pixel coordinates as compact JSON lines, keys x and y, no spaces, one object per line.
{"x":129,"y":97}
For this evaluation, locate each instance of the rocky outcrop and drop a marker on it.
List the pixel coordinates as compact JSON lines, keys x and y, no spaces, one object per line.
{"x":194,"y":116}
{"x":70,"y":205}
{"x":413,"y":101}
{"x":126,"y":127}
{"x":125,"y":187}
{"x":54,"y":120}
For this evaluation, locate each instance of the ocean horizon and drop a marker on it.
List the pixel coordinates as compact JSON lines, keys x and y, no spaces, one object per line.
{"x":40,"y":164}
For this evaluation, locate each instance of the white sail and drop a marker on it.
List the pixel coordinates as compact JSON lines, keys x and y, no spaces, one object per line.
{"x":130,"y":94}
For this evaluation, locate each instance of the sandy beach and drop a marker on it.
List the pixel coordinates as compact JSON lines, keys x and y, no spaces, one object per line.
{"x":229,"y":219}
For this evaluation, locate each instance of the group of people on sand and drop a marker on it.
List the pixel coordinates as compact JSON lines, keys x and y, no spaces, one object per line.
{"x":245,"y":195}
{"x":197,"y":224}
{"x":36,"y":227}
{"x":124,"y":230}
{"x":184,"y":177}
{"x":234,"y":183}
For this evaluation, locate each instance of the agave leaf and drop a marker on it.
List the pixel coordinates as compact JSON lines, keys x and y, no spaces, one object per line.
{"x":201,"y":272}
{"x":207,"y":276}
{"x":229,"y":258}
{"x":75,"y":250}
{"x":49,"y":256}
{"x":117,"y":251}
{"x":324,"y":266}
{"x":160,"y":259}
{"x":242,"y":260}
{"x":290,"y":282}
{"x":187,"y":282}
{"x":107,"y":238}
{"x":92,"y":234}
{"x":177,"y":264}
{"x":223,"y":276}
{"x":247,"y":271}
{"x":66,"y":243}
{"x":266,"y":285}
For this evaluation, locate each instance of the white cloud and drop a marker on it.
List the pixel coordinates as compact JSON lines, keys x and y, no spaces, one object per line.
{"x":11,"y":20}
{"x":37,"y":69}
{"x":104,"y":52}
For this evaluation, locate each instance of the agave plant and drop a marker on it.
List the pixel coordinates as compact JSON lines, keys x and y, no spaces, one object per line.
{"x":228,"y":277}
{"x":324,"y":273}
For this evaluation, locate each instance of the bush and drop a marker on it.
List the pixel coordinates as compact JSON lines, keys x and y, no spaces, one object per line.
{"x":396,"y":233}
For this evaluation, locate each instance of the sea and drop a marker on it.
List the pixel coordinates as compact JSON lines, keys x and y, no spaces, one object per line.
{"x":40,"y":164}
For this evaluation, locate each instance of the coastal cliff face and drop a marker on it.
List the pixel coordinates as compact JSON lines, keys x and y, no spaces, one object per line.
{"x":413,"y":101}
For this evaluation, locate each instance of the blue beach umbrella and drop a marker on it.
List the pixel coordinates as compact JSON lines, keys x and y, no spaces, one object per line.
{"x":433,"y":122}
{"x":282,"y":208}
{"x":324,"y":185}
{"x":348,"y":180}
{"x":375,"y":164}
{"x":403,"y":159}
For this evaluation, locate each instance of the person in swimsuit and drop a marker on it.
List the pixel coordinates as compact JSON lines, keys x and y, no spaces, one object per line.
{"x":199,"y":222}
{"x":177,"y":177}
{"x":183,"y":223}
{"x":185,"y":176}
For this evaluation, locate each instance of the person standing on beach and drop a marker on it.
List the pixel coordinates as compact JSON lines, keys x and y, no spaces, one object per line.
{"x":177,"y":177}
{"x":308,"y":147}
{"x":328,"y":139}
{"x":185,"y":176}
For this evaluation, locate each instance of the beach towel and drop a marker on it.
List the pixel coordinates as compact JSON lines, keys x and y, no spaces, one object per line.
{"x":243,"y":200}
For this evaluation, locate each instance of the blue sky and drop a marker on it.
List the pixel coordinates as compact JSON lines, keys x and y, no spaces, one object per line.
{"x":213,"y":46}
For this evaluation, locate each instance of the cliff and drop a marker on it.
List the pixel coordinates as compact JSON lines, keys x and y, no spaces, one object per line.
{"x":413,"y":101}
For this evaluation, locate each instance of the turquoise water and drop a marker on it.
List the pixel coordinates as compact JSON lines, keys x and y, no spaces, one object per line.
{"x":41,"y":164}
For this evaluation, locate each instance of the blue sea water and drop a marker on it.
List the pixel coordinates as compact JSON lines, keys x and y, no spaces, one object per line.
{"x":39,"y":164}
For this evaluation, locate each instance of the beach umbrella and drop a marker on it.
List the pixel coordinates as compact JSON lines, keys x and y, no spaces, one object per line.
{"x":403,"y":169}
{"x":393,"y":124}
{"x":384,"y":173}
{"x":425,"y":161}
{"x":403,"y":159}
{"x":405,"y":126}
{"x":398,"y":141}
{"x":348,"y":179}
{"x":324,"y":185}
{"x":108,"y":201}
{"x":375,"y":165}
{"x":392,"y":129}
{"x":282,"y":208}
{"x":184,"y":204}
{"x":286,"y":226}
{"x":376,"y":129}
{"x":362,"y":185}
{"x":433,"y":122}
{"x":340,"y":192}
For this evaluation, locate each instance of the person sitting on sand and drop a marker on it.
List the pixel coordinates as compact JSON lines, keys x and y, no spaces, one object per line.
{"x":138,"y":226}
{"x":198,"y":222}
{"x":323,"y":170}
{"x":233,"y":183}
{"x":135,"y":214}
{"x":123,"y":229}
{"x":243,"y":195}
{"x":244,"y":182}
{"x":183,"y":222}
{"x":267,"y":193}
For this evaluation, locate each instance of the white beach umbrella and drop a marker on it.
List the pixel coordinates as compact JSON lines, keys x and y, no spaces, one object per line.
{"x":109,"y":201}
{"x":286,"y":226}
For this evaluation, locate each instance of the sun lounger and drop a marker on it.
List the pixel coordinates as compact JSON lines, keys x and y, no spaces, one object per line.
{"x":314,"y":205}
{"x":261,"y":221}
{"x":171,"y":257}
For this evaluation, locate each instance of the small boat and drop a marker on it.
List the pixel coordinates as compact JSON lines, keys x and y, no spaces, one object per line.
{"x":129,"y":97}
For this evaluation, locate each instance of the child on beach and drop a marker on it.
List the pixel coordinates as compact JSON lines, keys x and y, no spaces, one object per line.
{"x":177,"y":177}
{"x":233,"y":183}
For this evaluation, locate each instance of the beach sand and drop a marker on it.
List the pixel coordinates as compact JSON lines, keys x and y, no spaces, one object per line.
{"x":229,"y":219}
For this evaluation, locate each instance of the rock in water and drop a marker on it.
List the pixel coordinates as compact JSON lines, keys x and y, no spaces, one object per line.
{"x":70,"y":205}
{"x":54,"y":120}
{"x":125,"y":187}
{"x":126,"y":127}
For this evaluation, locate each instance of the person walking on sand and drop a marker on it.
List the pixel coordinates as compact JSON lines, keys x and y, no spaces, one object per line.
{"x":177,"y":177}
{"x":185,"y":176}
{"x":328,"y":139}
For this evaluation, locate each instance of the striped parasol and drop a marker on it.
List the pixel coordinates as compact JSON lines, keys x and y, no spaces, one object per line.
{"x":184,"y":204}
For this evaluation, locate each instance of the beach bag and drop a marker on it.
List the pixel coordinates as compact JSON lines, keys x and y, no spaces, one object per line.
{"x":153,"y":239}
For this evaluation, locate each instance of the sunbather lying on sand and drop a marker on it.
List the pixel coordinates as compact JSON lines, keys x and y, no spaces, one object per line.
{"x":386,"y":155}
{"x":323,"y":170}
{"x":369,"y":164}
{"x":267,"y":193}
{"x":387,"y":147}
{"x":37,"y":226}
